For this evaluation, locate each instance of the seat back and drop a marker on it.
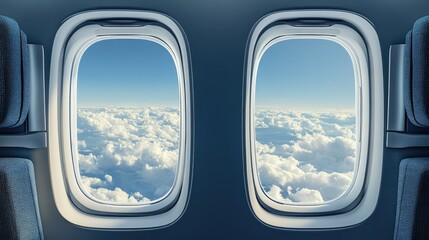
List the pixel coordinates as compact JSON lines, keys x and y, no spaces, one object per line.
{"x":19,"y":211}
{"x":14,"y":74}
{"x":412,"y":216}
{"x":416,"y":73}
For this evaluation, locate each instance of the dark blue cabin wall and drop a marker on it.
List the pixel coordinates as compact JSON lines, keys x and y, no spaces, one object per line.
{"x":217,"y":32}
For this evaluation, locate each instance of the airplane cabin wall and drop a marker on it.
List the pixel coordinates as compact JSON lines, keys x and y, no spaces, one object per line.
{"x":217,"y":32}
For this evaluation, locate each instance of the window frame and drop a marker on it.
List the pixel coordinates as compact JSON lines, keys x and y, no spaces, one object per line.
{"x":73,"y":38}
{"x":354,"y":45}
{"x":360,"y":40}
{"x":80,"y":41}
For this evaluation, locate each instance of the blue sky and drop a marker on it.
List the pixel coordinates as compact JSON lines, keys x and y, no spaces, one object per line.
{"x":306,"y":74}
{"x":127,"y":72}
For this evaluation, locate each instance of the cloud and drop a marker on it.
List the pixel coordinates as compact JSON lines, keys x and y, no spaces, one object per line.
{"x":131,"y":154}
{"x":135,"y":151}
{"x":275,"y":193}
{"x":300,"y":195}
{"x":305,"y":157}
{"x":108,"y":178}
{"x":308,"y":195}
{"x":95,"y":187}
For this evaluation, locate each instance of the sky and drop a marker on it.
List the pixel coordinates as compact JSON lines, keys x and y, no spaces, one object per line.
{"x":127,"y":72}
{"x":306,"y":74}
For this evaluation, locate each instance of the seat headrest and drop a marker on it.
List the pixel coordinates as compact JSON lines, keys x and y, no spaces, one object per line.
{"x":14,"y":74}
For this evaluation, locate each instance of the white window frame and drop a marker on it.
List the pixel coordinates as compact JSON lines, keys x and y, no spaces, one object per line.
{"x":361,"y":42}
{"x":70,"y":43}
{"x":351,"y":41}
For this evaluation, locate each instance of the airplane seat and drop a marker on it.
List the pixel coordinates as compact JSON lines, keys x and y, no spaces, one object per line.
{"x":412,"y":215}
{"x":19,"y":212}
{"x":14,"y":74}
{"x":416,"y":73}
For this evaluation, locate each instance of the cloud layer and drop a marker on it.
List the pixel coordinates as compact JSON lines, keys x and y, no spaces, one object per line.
{"x":305,"y":157}
{"x":128,"y":154}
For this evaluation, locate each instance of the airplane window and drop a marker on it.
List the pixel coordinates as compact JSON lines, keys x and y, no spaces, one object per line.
{"x":305,"y":121}
{"x":128,"y":123}
{"x":120,"y":120}
{"x":313,"y":126}
{"x":308,"y":109}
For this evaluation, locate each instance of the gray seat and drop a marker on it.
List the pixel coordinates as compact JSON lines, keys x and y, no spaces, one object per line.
{"x":416,"y":73}
{"x":412,"y":215}
{"x":19,"y":211}
{"x":14,"y":74}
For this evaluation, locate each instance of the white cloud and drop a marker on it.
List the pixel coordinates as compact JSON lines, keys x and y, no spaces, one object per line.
{"x":135,"y":150}
{"x":299,"y":195}
{"x":305,"y":157}
{"x":275,"y":193}
{"x":131,"y":154}
{"x":94,"y":187}
{"x":108,"y":178}
{"x":308,"y":195}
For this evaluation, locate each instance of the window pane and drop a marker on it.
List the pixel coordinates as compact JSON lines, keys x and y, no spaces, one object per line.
{"x":128,"y":121}
{"x":305,"y":121}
